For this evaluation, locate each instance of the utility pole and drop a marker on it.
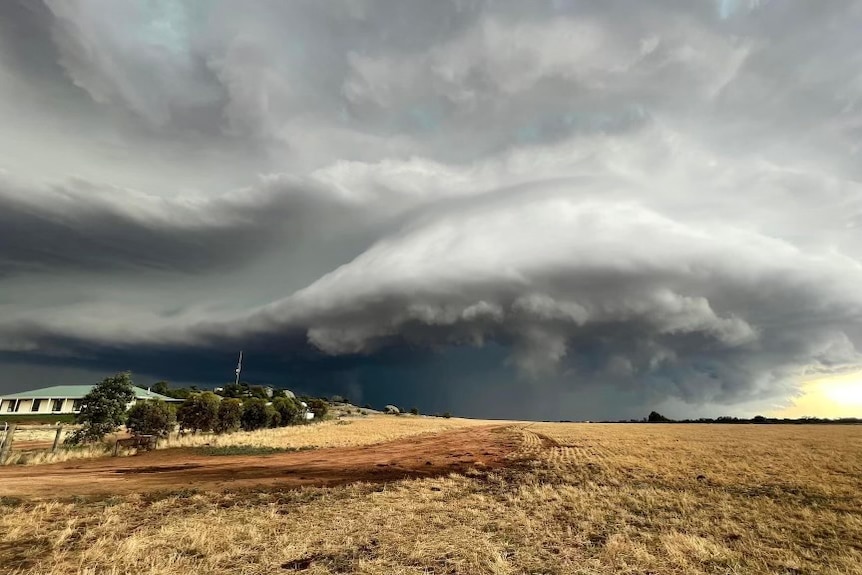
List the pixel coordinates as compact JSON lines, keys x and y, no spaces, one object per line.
{"x":238,"y":367}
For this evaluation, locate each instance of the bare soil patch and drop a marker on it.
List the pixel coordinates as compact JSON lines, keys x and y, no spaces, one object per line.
{"x":172,"y":469}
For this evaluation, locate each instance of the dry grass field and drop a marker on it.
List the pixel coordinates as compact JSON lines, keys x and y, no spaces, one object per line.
{"x":574,"y":499}
{"x":347,"y":432}
{"x":365,"y":430}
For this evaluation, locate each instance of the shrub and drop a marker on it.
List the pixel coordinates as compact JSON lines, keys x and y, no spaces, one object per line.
{"x":255,"y":415}
{"x":447,"y":415}
{"x":288,"y":410}
{"x":199,"y":412}
{"x":273,"y":417}
{"x":414,"y":410}
{"x":151,"y":418}
{"x":318,"y":407}
{"x":229,"y":415}
{"x":103,"y":410}
{"x":250,"y":450}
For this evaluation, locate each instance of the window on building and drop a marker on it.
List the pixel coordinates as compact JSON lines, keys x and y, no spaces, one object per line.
{"x":57,"y":405}
{"x":10,"y":405}
{"x":37,"y":403}
{"x":17,"y":405}
{"x":76,"y":405}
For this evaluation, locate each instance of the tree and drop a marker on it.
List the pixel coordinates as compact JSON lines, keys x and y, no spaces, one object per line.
{"x":318,"y":407}
{"x":151,"y":418}
{"x":288,"y":410}
{"x":164,"y":388}
{"x":103,"y":410}
{"x":656,"y":417}
{"x":255,"y":415}
{"x":414,"y":410}
{"x":199,"y":412}
{"x":229,"y":415}
{"x":161,"y":387}
{"x":234,"y":390}
{"x":258,"y":391}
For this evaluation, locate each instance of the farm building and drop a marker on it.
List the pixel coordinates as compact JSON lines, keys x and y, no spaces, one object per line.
{"x":62,"y":399}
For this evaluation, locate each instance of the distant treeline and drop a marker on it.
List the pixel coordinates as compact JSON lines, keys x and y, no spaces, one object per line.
{"x":656,"y":417}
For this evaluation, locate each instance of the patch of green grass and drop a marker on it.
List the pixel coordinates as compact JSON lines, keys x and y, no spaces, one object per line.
{"x":249,"y":450}
{"x":36,"y":418}
{"x":156,"y":496}
{"x":6,"y":501}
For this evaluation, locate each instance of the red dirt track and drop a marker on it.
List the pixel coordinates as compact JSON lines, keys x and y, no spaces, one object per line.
{"x":173,"y":469}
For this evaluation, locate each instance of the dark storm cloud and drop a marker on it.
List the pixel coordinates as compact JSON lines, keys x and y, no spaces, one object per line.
{"x":635,"y":202}
{"x":80,"y":225}
{"x":600,"y":291}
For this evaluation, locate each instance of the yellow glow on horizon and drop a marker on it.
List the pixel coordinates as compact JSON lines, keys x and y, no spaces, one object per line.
{"x":838,"y":396}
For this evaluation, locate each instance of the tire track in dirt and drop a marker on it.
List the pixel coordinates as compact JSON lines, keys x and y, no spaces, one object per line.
{"x":563,"y":457}
{"x":539,"y":447}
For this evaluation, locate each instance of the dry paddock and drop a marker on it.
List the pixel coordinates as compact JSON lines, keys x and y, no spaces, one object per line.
{"x":506,"y":498}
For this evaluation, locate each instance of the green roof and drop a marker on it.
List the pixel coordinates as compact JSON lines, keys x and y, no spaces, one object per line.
{"x":77,"y":392}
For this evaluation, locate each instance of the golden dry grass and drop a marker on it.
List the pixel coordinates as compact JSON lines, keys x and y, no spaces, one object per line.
{"x":585,"y":499}
{"x":345,"y":432}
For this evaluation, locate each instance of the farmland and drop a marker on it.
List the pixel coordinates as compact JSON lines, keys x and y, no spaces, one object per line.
{"x":427,"y":495}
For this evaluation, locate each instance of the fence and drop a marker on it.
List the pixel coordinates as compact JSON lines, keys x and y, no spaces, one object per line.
{"x":8,"y":437}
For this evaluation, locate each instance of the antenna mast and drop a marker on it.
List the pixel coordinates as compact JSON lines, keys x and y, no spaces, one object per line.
{"x":238,"y":367}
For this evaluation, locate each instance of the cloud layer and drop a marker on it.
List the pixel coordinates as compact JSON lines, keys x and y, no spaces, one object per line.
{"x":640,"y":204}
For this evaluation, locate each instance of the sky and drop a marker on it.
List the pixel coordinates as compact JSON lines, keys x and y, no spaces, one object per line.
{"x":550,"y":210}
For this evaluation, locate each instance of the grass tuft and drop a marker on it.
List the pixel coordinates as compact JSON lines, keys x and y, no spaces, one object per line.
{"x":249,"y":450}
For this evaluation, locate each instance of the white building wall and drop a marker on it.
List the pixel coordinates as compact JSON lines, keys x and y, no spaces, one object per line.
{"x":46,"y":406}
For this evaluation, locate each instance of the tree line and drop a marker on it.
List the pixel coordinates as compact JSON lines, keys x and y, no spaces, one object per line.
{"x":104,"y":410}
{"x":656,"y":417}
{"x":239,"y":390}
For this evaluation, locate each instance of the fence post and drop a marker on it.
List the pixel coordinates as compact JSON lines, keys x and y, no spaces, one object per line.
{"x":57,"y":440}
{"x":7,"y":443}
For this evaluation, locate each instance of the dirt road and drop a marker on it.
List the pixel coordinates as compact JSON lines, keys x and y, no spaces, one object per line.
{"x":174,"y":469}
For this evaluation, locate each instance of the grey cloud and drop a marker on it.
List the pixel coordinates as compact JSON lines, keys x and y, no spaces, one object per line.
{"x":82,"y":225}
{"x":150,"y":69}
{"x":79,"y":224}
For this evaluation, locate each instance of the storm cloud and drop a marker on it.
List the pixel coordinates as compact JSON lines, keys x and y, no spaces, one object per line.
{"x":604,"y":208}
